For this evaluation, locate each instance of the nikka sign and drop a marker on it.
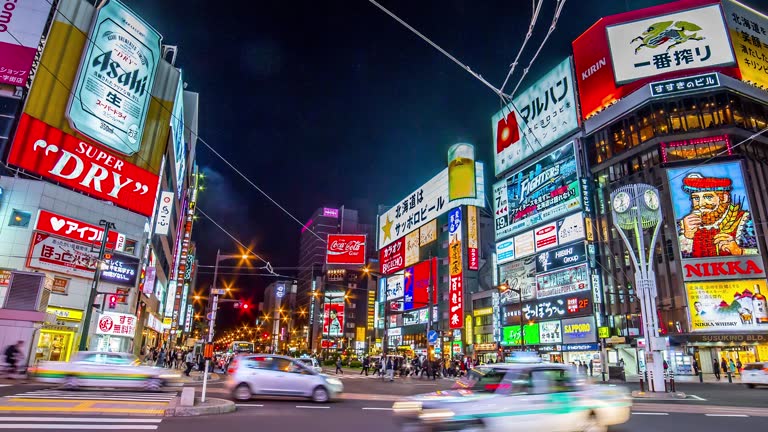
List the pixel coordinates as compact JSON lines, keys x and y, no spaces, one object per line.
{"x":723,"y":268}
{"x":345,"y":249}
{"x":49,"y":152}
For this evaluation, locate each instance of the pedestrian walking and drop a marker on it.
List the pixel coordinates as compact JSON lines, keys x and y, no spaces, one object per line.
{"x":338,"y":366}
{"x":716,"y":369}
{"x":591,"y":366}
{"x":695,"y":367}
{"x":739,"y":366}
{"x":190,"y":362}
{"x":366,"y":365}
{"x":390,"y":369}
{"x":732,"y":367}
{"x":161,"y":358}
{"x":724,"y":365}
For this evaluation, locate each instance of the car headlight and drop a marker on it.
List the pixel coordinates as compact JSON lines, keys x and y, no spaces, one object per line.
{"x":436,"y":415}
{"x":406,"y":407}
{"x":333,"y":381}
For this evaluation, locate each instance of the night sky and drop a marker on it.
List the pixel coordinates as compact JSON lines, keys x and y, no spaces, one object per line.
{"x":334,"y":102}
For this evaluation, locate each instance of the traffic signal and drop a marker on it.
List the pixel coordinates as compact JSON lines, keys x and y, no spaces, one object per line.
{"x":112,"y":301}
{"x":245,"y":306}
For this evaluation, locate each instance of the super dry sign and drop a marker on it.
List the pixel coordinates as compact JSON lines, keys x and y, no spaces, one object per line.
{"x":49,"y":152}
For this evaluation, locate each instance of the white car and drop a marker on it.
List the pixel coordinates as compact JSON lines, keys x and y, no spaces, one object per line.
{"x":311,"y":363}
{"x":755,"y":374}
{"x":274,"y":375}
{"x":102,"y":369}
{"x":517,"y":397}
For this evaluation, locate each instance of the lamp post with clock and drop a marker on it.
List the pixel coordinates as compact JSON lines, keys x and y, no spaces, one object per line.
{"x":635,"y":209}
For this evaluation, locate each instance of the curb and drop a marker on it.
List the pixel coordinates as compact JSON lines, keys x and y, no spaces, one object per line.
{"x":212,"y":406}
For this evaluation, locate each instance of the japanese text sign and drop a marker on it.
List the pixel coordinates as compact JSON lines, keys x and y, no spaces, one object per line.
{"x":563,"y":281}
{"x":561,"y":257}
{"x":727,"y":306}
{"x":684,"y":84}
{"x":425,"y":204}
{"x":111,"y":96}
{"x":345,"y":249}
{"x":392,"y":257}
{"x":395,"y":287}
{"x":74,"y":229}
{"x":455,"y":263}
{"x":164,"y":211}
{"x":121,"y":270}
{"x":21,"y":26}
{"x":689,"y":39}
{"x":116,"y":324}
{"x":428,"y":233}
{"x":748,"y":29}
{"x":59,"y":157}
{"x":519,"y":275}
{"x":473,"y":255}
{"x":547,"y":189}
{"x":412,"y":248}
{"x":550,"y":332}
{"x":536,"y":118}
{"x":51,"y":253}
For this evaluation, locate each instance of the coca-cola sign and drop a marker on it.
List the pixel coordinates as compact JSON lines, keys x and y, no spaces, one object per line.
{"x":345,"y":249}
{"x":49,"y":152}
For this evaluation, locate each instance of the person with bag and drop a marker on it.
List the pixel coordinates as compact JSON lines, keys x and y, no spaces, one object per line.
{"x":13,"y":358}
{"x":190,"y":360}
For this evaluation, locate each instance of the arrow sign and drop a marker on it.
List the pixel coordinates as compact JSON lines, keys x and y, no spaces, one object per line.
{"x":432,"y":336}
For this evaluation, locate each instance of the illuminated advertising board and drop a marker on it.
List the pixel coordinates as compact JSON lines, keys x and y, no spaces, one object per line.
{"x":690,"y":39}
{"x":563,"y":281}
{"x":510,"y":335}
{"x":57,"y":156}
{"x":21,"y":26}
{"x":77,"y":230}
{"x":505,"y":251}
{"x":473,"y":256}
{"x":727,"y":306}
{"x":537,"y":117}
{"x":550,"y":332}
{"x":177,"y":132}
{"x":747,"y":28}
{"x":547,"y":189}
{"x":579,"y":330}
{"x":333,"y":317}
{"x":594,"y":66}
{"x":570,"y":305}
{"x":412,"y":248}
{"x":395,"y":287}
{"x":455,"y":266}
{"x":47,"y":252}
{"x":561,"y":257}
{"x":425,"y":204}
{"x":121,"y":270}
{"x":417,"y":285}
{"x":116,"y":324}
{"x":428,"y":233}
{"x":518,"y":275}
{"x":110,"y":100}
{"x":345,"y":249}
{"x":392,"y":257}
{"x":716,"y":232}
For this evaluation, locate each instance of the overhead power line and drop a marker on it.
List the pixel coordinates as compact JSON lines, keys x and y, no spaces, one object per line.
{"x":536,"y":9}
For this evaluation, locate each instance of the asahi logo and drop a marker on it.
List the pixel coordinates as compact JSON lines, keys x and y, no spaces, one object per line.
{"x":111,"y":68}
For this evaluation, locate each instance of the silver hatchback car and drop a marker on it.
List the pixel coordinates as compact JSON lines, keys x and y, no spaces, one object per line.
{"x":274,"y":375}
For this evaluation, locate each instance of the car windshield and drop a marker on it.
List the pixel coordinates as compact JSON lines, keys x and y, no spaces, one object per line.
{"x":484,"y":379}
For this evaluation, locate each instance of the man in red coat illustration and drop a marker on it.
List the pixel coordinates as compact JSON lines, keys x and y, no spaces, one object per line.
{"x":716,"y":225}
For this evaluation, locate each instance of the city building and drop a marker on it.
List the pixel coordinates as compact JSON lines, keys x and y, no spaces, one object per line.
{"x":429,"y":262}
{"x":693,"y":128}
{"x":279,"y":315}
{"x":87,"y":170}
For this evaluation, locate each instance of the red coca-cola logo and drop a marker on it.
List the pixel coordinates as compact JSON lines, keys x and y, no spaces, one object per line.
{"x":352,"y":247}
{"x":346,"y":249}
{"x":106,"y":324}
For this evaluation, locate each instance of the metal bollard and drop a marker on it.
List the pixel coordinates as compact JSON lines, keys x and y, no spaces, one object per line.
{"x":672,"y":381}
{"x":642,"y":385}
{"x":651,"y":385}
{"x":701,"y":376}
{"x":730,"y":378}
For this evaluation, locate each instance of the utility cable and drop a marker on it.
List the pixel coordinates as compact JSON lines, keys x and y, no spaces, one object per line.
{"x":535,"y":16}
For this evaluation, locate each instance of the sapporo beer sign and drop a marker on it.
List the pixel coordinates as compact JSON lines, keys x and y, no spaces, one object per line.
{"x":59,"y":157}
{"x":345,"y":249}
{"x":112,"y":91}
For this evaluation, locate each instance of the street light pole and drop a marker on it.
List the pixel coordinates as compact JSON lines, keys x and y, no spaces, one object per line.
{"x":211,"y":322}
{"x":94,"y":285}
{"x":635,"y":208}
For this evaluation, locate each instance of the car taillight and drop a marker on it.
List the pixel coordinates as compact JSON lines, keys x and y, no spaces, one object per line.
{"x":765,"y":369}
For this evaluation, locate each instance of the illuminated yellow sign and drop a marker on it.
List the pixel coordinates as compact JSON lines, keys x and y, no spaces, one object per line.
{"x":603,"y":332}
{"x":727,"y":306}
{"x":64,"y":314}
{"x":468,"y":329}
{"x":483,"y":311}
{"x":750,"y":43}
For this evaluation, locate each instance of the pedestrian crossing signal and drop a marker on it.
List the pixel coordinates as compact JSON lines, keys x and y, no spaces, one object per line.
{"x":112,"y":301}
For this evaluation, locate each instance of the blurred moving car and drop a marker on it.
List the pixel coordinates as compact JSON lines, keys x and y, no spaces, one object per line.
{"x":102,"y":369}
{"x":275,"y":375}
{"x":311,"y":363}
{"x":517,"y":397}
{"x":755,"y":374}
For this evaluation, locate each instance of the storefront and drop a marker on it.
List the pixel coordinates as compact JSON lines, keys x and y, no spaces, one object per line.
{"x":581,"y":354}
{"x":57,"y":340}
{"x":487,"y":353}
{"x":706,"y":349}
{"x":152,"y":334}
{"x":115,"y":332}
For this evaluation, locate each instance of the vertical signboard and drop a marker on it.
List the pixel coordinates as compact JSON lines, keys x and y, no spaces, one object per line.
{"x":392,"y":257}
{"x":21,"y":26}
{"x":164,"y":210}
{"x":748,"y":30}
{"x":473,"y":256}
{"x":111,"y":96}
{"x":412,"y":248}
{"x":455,"y":264}
{"x":177,"y":131}
{"x":537,"y":117}
{"x":333,"y":317}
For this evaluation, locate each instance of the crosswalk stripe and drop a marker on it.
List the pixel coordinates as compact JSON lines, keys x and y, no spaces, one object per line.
{"x":128,"y":397}
{"x":78,"y":426}
{"x":81,"y":419}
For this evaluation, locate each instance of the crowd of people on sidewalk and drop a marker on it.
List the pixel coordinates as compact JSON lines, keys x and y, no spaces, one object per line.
{"x":388,"y":367}
{"x":177,"y":358}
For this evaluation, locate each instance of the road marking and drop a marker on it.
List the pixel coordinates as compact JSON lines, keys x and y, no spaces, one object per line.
{"x":696,"y":397}
{"x":726,"y":415}
{"x":81,"y":419}
{"x":249,"y":405}
{"x":649,"y":413}
{"x":78,"y":426}
{"x":376,"y":409}
{"x":70,"y":409}
{"x":312,"y":407}
{"x":38,"y":400}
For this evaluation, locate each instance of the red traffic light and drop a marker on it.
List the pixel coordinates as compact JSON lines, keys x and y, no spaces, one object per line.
{"x":245,"y":306}
{"x":112,"y":301}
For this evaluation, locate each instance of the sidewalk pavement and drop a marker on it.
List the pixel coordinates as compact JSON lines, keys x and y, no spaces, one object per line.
{"x":693,"y":379}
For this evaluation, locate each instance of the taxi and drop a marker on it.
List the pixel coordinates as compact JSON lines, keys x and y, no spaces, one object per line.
{"x":530,"y":396}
